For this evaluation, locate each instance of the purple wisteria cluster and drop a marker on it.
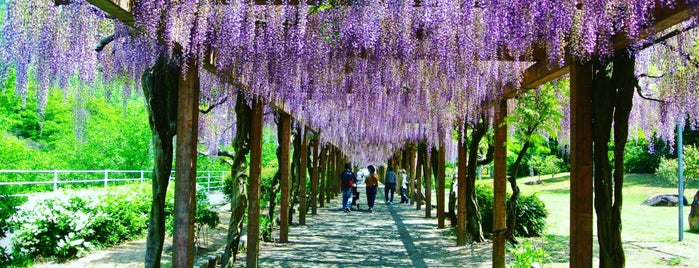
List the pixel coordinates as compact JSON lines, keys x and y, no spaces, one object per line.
{"x":368,"y":75}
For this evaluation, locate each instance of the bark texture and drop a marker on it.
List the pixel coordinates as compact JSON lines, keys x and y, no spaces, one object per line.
{"x":160,"y":86}
{"x":241,"y":145}
{"x":613,"y":96}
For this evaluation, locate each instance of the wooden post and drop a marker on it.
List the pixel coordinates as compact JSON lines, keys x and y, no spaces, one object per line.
{"x":284,"y":148}
{"x":418,"y":177}
{"x":581,"y":165}
{"x":330,"y":170}
{"x":441,"y":184}
{"x":500,"y":186}
{"x":321,"y":170}
{"x":461,"y":190}
{"x":411,"y":180}
{"x":186,"y":166}
{"x":427,"y":170}
{"x":314,"y":178}
{"x":302,"y":176}
{"x":254,"y":182}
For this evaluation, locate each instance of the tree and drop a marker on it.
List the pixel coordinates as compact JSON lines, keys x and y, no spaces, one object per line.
{"x":160,"y":87}
{"x":536,"y":112}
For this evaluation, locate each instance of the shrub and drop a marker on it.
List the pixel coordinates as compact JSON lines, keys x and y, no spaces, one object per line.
{"x":668,"y":166}
{"x":70,"y":224}
{"x":638,"y":157}
{"x":8,"y":207}
{"x":526,"y":255}
{"x":531,"y":212}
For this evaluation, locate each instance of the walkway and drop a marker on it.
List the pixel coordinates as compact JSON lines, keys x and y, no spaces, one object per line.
{"x":394,"y":235}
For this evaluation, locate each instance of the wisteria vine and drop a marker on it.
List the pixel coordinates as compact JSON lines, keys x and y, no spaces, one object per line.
{"x":368,"y":75}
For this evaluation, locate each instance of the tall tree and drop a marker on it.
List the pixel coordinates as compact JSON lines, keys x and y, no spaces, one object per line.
{"x":536,"y":112}
{"x":473,"y":216}
{"x":239,"y":176}
{"x":612,"y":96}
{"x":160,"y":86}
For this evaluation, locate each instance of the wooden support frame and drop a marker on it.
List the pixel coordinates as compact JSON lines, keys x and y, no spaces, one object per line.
{"x":284,"y":169}
{"x":257,"y":122}
{"x":302,"y":176}
{"x":581,"y":106}
{"x":500,"y":186}
{"x":441,"y":184}
{"x":186,"y":166}
{"x":315,"y":176}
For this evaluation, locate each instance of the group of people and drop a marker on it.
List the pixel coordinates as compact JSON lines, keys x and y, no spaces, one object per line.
{"x":348,"y":181}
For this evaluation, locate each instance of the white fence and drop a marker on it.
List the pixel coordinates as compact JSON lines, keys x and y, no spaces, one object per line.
{"x":44,"y":179}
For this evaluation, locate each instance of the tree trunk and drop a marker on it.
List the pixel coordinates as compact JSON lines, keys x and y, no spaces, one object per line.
{"x":295,"y":171}
{"x":512,"y":203}
{"x":241,"y":145}
{"x":612,"y":102}
{"x":694,"y":213}
{"x":160,"y":86}
{"x":473,"y":216}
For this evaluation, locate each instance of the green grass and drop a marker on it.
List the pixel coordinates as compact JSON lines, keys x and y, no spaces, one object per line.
{"x":650,"y":234}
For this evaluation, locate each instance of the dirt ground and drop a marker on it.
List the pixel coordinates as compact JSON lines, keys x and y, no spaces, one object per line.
{"x":394,"y":235}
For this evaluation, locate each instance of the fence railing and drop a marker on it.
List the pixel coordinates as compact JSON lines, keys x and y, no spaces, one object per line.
{"x":15,"y":182}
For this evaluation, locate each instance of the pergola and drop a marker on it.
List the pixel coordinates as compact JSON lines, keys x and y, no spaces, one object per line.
{"x":581,"y":103}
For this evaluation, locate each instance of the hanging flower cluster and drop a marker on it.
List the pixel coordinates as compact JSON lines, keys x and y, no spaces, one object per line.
{"x":368,"y":75}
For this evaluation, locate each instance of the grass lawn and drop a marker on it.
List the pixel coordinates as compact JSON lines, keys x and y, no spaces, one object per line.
{"x":650,"y":234}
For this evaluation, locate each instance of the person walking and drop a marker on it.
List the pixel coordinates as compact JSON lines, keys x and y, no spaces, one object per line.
{"x":404,"y":187}
{"x":347,"y":182}
{"x":390,"y":185}
{"x":372,"y":184}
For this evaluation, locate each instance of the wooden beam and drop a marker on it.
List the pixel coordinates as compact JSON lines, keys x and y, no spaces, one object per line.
{"x":315,"y":145}
{"x":303,"y":155}
{"x":186,"y":166}
{"x":440,"y":184}
{"x":257,"y":122}
{"x":461,"y":189}
{"x":120,"y":9}
{"x":284,"y":148}
{"x":500,"y":186}
{"x":581,"y":165}
{"x":542,"y":72}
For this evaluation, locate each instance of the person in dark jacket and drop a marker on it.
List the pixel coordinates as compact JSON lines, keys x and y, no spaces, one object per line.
{"x":347,"y":182}
{"x":389,"y":182}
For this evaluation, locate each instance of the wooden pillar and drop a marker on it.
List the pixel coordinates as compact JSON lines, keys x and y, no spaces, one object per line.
{"x":581,"y":165}
{"x":284,"y":148}
{"x":411,"y":175}
{"x":441,"y":184}
{"x":461,"y":190}
{"x":500,"y":186}
{"x":254,"y":182}
{"x":322,"y":176}
{"x":418,"y":177}
{"x":302,"y":177}
{"x":427,"y":170}
{"x":186,"y":166}
{"x":314,"y":177}
{"x":330,"y":170}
